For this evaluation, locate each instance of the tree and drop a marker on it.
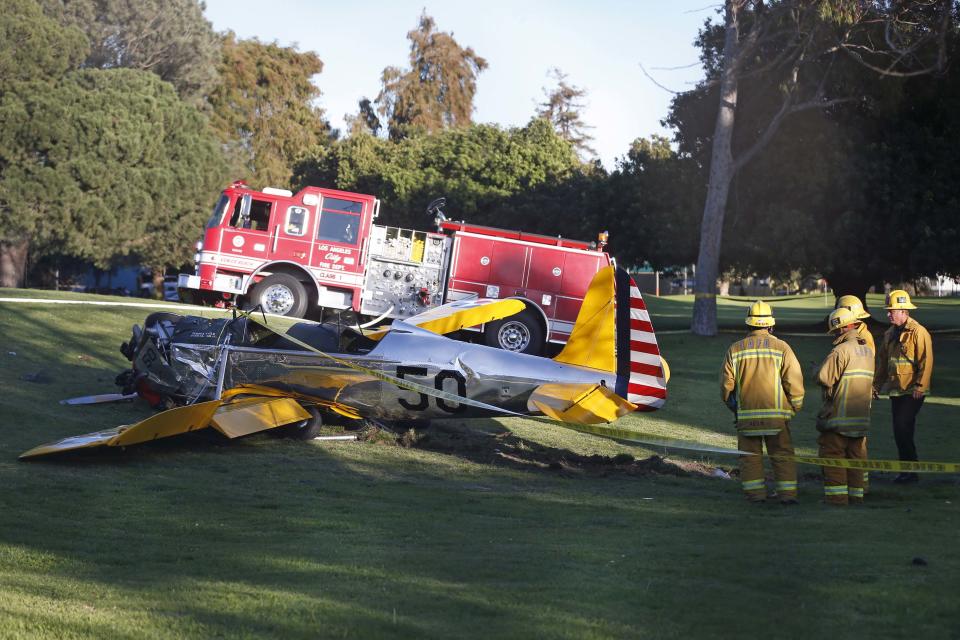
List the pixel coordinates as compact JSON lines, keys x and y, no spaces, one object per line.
{"x":794,"y":46}
{"x":34,"y":47}
{"x":110,"y":163}
{"x":562,"y":109}
{"x":652,"y":205}
{"x":35,"y":52}
{"x":437,"y":90}
{"x":365,"y":120}
{"x":528,"y":176}
{"x":866,"y":185}
{"x":263,"y":109}
{"x":170,"y":38}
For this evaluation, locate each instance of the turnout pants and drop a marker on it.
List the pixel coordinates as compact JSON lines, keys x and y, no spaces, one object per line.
{"x":843,"y":486}
{"x":905,"y":410}
{"x":751,"y":467}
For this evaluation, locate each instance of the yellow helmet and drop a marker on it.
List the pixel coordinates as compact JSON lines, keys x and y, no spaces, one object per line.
{"x":853,"y":303}
{"x":760,"y":315}
{"x":898,"y":299}
{"x":841,"y":317}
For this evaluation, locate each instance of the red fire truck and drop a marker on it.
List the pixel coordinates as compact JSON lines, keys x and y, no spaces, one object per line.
{"x":319,"y":249}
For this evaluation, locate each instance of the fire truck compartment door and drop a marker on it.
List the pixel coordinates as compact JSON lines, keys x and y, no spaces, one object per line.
{"x":546,"y":269}
{"x":579,"y":269}
{"x":508,"y":266}
{"x":472,"y":261}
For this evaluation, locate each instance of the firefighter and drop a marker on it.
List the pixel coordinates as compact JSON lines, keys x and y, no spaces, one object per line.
{"x":904,"y":368}
{"x":762,"y":384}
{"x":846,"y":377}
{"x":853,"y":304}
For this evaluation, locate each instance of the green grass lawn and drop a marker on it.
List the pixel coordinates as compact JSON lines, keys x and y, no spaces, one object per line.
{"x":468,"y":534}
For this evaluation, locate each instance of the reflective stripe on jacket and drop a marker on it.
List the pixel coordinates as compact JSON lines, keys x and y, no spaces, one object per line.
{"x":905,"y":364}
{"x":846,"y":376}
{"x":762,"y":375}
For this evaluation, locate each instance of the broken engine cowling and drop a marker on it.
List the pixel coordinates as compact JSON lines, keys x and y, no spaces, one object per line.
{"x":175,"y":358}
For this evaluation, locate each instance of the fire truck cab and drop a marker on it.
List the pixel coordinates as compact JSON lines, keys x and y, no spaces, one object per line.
{"x":318,"y":248}
{"x":282,"y":250}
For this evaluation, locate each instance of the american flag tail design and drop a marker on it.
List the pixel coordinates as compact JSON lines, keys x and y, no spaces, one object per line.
{"x":640,"y":369}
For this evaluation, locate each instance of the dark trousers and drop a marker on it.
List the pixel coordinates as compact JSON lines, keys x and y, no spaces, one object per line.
{"x":905,"y":409}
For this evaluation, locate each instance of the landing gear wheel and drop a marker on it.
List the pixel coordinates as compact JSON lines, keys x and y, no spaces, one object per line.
{"x":280,"y":294}
{"x":305,"y":429}
{"x":520,"y":333}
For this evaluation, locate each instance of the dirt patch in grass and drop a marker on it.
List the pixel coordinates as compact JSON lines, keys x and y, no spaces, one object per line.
{"x":504,"y":448}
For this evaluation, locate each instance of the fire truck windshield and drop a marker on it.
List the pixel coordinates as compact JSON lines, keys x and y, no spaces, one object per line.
{"x":339,"y":204}
{"x":218,"y":210}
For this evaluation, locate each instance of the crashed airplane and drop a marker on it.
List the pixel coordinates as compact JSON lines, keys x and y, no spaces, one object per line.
{"x":254,"y":373}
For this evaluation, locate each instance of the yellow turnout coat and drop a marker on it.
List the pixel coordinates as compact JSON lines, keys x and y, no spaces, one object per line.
{"x":761,"y":380}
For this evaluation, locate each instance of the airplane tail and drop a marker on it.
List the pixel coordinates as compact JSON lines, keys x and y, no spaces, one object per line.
{"x":613,"y":333}
{"x":642,"y":372}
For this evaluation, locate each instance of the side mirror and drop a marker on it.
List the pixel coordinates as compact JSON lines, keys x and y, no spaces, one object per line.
{"x":246,"y":200}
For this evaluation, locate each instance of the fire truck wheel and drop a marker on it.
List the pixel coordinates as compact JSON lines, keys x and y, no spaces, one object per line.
{"x":521,"y":333}
{"x":281,"y":294}
{"x":305,"y":429}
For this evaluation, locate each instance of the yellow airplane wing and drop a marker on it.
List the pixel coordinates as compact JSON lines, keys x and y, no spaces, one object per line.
{"x":232,"y":418}
{"x":250,"y":415}
{"x":454,"y":316}
{"x":168,"y":423}
{"x":259,"y":390}
{"x":95,"y":439}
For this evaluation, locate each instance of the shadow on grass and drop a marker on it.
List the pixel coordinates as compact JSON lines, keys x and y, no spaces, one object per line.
{"x":274,"y":538}
{"x":366,"y":544}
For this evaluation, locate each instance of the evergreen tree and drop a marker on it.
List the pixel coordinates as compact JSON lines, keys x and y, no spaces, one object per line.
{"x":562,"y":109}
{"x":35,"y":52}
{"x":110,"y":163}
{"x":170,"y":38}
{"x":437,"y":90}
{"x":365,"y":120}
{"x":263,"y":109}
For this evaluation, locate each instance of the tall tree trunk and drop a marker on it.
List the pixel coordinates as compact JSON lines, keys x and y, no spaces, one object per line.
{"x":847,"y":283}
{"x":158,"y":274}
{"x":13,"y":262}
{"x":704,"y":321}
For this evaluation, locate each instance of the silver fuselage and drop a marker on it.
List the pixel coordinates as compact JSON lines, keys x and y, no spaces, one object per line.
{"x":491,"y":376}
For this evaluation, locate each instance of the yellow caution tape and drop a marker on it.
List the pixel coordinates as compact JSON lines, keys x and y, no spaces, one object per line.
{"x":636,"y":437}
{"x":876,"y":465}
